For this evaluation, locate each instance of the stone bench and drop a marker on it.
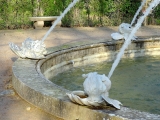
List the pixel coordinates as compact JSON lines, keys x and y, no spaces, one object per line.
{"x":39,"y":21}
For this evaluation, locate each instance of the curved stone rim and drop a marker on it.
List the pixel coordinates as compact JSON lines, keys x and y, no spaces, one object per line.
{"x":33,"y":87}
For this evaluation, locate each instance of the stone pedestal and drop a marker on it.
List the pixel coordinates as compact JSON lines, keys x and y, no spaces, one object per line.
{"x":58,"y":25}
{"x":38,"y":24}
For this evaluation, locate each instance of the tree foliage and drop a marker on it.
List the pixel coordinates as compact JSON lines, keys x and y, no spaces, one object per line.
{"x":15,"y":13}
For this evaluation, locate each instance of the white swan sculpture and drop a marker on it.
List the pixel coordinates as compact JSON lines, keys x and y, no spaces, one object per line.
{"x":34,"y":49}
{"x":95,"y":92}
{"x":124,"y":31}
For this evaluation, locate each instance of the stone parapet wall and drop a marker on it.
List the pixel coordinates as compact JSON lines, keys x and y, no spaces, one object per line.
{"x":95,"y":53}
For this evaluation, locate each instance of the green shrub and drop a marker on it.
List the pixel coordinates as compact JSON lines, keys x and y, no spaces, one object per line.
{"x":15,"y":13}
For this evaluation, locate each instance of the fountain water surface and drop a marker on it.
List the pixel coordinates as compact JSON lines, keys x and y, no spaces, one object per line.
{"x":129,"y":81}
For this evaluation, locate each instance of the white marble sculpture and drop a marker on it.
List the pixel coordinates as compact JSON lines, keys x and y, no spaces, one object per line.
{"x":95,"y":92}
{"x":124,"y":31}
{"x":34,"y":49}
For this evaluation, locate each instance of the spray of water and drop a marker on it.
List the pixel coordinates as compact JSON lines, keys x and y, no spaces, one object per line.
{"x":59,"y":18}
{"x":138,"y":11}
{"x":152,"y":5}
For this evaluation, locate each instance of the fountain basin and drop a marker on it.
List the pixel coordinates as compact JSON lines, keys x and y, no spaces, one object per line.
{"x":31,"y":78}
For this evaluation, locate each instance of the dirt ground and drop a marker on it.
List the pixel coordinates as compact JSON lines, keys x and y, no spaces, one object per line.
{"x":12,"y":106}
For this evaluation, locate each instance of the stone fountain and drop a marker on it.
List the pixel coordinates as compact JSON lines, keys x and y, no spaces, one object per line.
{"x":35,"y":87}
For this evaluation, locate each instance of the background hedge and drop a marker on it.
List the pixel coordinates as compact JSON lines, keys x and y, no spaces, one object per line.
{"x":14,"y":14}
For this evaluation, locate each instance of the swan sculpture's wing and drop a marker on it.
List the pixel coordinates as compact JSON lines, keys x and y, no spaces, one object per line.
{"x":74,"y":97}
{"x":117,"y":36}
{"x":16,"y":49}
{"x":112,"y":102}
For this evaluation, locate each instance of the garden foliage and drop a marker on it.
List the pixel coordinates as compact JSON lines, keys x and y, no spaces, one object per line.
{"x":15,"y":14}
